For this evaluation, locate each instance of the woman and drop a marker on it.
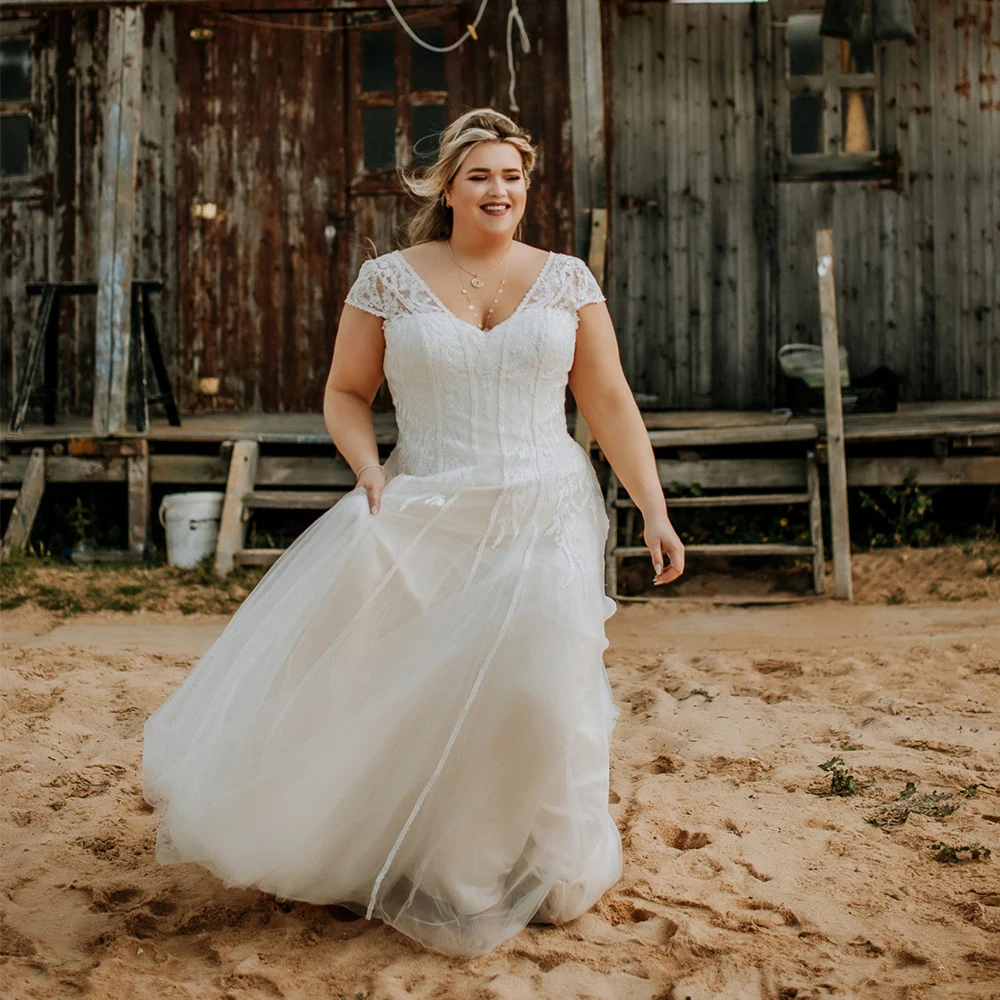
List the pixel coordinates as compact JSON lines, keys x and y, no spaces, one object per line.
{"x":410,"y":714}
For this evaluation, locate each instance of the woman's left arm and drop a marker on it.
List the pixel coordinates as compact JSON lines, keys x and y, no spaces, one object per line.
{"x":605,"y":400}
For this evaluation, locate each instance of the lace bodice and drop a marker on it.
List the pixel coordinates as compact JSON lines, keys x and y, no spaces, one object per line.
{"x":487,"y":406}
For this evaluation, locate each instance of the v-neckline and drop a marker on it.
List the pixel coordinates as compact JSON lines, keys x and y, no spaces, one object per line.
{"x":550,"y":254}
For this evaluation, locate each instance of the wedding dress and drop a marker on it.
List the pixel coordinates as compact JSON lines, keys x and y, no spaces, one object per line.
{"x":410,"y":714}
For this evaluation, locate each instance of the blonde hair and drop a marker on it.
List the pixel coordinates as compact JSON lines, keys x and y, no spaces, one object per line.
{"x":433,"y":218}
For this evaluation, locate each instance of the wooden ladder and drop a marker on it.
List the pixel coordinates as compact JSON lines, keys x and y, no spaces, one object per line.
{"x":798,"y":474}
{"x":247,"y":471}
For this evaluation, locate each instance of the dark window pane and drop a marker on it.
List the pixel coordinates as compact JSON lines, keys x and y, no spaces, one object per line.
{"x":805,"y":45}
{"x":15,"y":138}
{"x":15,"y":71}
{"x":428,"y":123}
{"x":378,"y":60}
{"x":858,"y":55}
{"x":806,"y":123}
{"x":857,"y":115}
{"x":379,"y":128}
{"x":427,"y":68}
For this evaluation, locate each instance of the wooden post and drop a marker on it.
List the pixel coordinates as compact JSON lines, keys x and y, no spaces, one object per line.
{"x":22,"y":517}
{"x":138,"y":497}
{"x":836,"y":462}
{"x":815,"y":522}
{"x":595,"y":261}
{"x":116,"y":226}
{"x":232,"y":527}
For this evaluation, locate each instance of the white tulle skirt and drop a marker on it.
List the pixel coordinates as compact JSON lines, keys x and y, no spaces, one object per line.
{"x":408,"y":716}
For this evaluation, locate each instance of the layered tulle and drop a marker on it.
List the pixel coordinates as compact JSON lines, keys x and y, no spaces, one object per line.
{"x":409,"y":715}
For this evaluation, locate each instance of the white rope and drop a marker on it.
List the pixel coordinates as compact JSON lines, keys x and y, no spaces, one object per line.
{"x":512,"y":16}
{"x":470,"y":29}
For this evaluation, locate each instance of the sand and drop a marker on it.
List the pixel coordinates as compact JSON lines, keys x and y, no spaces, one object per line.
{"x":740,"y":881}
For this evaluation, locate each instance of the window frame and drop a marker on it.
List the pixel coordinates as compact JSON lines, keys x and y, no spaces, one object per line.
{"x":831,"y":163}
{"x":33,"y":185}
{"x":385,"y":180}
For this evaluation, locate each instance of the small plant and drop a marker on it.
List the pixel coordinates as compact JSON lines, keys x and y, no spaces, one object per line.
{"x":842,"y":782}
{"x":896,"y":812}
{"x":949,"y":855}
{"x":899,"y":515}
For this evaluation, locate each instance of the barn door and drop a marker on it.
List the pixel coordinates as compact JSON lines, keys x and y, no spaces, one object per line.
{"x":262,"y":206}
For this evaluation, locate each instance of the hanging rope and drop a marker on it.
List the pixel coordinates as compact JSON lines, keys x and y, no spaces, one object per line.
{"x":514,"y":16}
{"x":470,"y":30}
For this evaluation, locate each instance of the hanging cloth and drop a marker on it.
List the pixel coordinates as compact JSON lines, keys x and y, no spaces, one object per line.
{"x":842,"y":18}
{"x":892,"y":20}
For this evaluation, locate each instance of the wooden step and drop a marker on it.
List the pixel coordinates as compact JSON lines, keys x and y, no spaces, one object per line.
{"x":256,"y":557}
{"x":742,"y":500}
{"x":750,"y":549}
{"x":291,"y":499}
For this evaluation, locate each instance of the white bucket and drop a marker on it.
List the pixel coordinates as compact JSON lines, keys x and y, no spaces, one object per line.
{"x":192,"y":524}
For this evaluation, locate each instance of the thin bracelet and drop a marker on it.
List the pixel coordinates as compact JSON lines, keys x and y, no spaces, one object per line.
{"x":370,"y":465}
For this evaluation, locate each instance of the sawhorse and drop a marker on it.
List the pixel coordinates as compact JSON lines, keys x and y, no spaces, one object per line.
{"x":45,"y":335}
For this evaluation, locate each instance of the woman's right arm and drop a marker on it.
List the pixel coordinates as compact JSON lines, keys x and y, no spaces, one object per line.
{"x":355,"y":375}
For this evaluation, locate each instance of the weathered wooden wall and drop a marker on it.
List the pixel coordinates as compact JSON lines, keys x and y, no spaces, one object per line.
{"x":917,"y":268}
{"x":700,"y":312}
{"x":255,"y":123}
{"x":49,"y":230}
{"x":685,"y":256}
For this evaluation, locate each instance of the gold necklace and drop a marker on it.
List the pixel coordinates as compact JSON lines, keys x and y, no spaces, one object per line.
{"x":489,"y":312}
{"x":477,"y":276}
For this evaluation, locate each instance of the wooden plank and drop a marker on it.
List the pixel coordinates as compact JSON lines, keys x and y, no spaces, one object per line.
{"x":22,"y":517}
{"x":683,"y":419}
{"x":731,"y":500}
{"x":734,"y":435}
{"x":836,"y":465}
{"x":66,"y":469}
{"x":9,"y":494}
{"x":734,"y":473}
{"x":611,"y":541}
{"x":257,"y":557}
{"x":816,"y":523}
{"x":981,"y":470}
{"x":586,"y":112}
{"x":139,"y":497}
{"x":769,"y":549}
{"x":597,"y":254}
{"x":117,"y":215}
{"x":292,"y":500}
{"x":232,"y":527}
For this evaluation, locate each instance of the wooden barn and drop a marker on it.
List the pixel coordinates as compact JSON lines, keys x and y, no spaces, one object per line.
{"x":199,"y":182}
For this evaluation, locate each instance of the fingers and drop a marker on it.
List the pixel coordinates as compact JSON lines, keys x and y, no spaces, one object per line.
{"x":657,"y":553}
{"x":675,"y":555}
{"x":374,"y":498}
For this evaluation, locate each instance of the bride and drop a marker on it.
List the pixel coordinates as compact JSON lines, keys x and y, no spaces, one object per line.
{"x":410,"y":715}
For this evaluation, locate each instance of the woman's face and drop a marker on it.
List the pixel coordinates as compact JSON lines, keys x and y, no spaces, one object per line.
{"x":489,"y":191}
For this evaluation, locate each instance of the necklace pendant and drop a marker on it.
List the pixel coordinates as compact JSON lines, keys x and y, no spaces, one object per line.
{"x":477,"y":282}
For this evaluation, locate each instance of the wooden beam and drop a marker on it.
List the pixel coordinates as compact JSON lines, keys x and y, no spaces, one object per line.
{"x":139,"y":500}
{"x":978,"y":470}
{"x":707,"y":436}
{"x":734,"y":473}
{"x":586,"y":112}
{"x":816,"y":522}
{"x":117,"y":210}
{"x":232,"y":527}
{"x":843,"y":588}
{"x":597,"y":254}
{"x":22,"y":517}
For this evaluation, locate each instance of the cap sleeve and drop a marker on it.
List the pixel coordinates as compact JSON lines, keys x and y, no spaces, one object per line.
{"x":585,"y":287}
{"x":368,"y":291}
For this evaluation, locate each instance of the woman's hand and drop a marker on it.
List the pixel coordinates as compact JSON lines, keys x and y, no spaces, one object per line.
{"x":372,"y":480}
{"x":665,"y":547}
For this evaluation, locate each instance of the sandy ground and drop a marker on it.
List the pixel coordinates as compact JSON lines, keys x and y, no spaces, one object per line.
{"x":740,"y":881}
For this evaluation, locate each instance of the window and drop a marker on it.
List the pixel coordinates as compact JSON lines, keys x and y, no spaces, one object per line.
{"x":402,"y":96}
{"x":15,"y":108}
{"x":829,"y":96}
